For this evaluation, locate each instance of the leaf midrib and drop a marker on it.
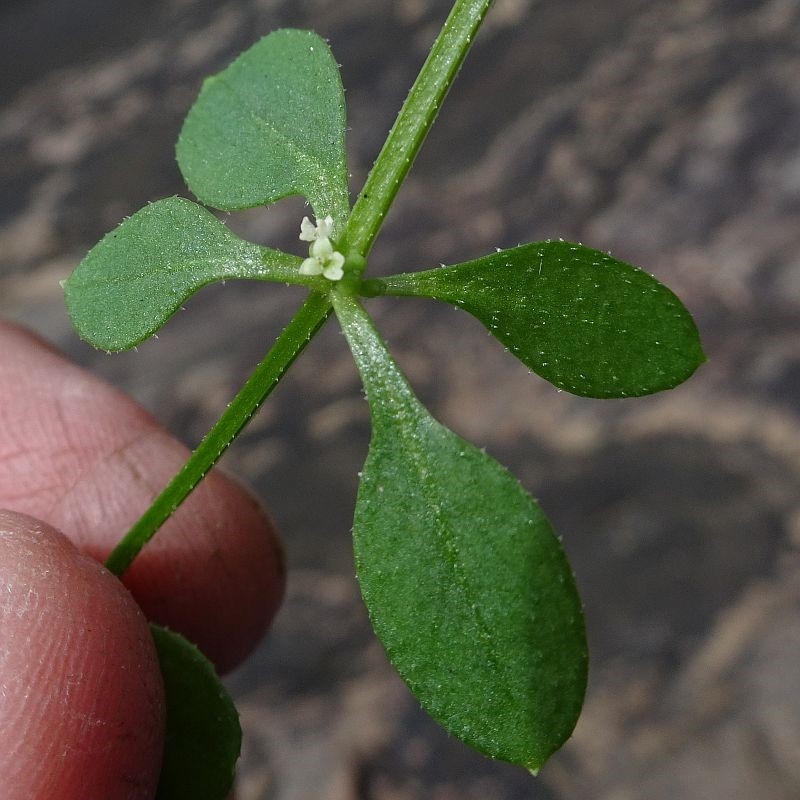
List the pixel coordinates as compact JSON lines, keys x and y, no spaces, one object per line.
{"x":409,"y":440}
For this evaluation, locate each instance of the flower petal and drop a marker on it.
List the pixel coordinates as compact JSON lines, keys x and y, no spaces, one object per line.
{"x":321,"y":248}
{"x":308,"y":232}
{"x":325,"y":227}
{"x":333,"y":272}
{"x":311,"y":266}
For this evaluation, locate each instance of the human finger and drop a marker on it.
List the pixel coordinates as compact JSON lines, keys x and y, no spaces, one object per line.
{"x":88,"y":459}
{"x":82,"y":700}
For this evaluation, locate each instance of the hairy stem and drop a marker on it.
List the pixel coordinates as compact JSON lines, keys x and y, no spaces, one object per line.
{"x":265,"y":377}
{"x":412,"y":124}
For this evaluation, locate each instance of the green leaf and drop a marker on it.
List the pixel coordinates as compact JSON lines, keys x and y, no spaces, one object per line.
{"x":138,"y":275}
{"x":584,"y":321}
{"x":203,"y":737}
{"x":466,"y":585}
{"x":270,"y":125}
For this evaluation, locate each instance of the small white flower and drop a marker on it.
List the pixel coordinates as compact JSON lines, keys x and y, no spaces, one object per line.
{"x":322,"y":258}
{"x":310,"y":232}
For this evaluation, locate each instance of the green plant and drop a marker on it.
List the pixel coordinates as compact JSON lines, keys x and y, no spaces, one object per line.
{"x":466,"y":584}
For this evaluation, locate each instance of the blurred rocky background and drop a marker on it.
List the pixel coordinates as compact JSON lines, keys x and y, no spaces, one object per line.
{"x":665,"y":131}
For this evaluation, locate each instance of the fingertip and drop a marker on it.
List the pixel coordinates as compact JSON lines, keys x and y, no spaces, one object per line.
{"x":82,"y":707}
{"x":90,"y":460}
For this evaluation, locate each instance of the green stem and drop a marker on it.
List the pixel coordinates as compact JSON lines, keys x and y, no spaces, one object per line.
{"x":412,"y":124}
{"x":288,"y":346}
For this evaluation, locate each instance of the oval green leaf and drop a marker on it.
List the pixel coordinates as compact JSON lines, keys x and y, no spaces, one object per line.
{"x":203,"y":738}
{"x":466,"y":585}
{"x":138,"y":275}
{"x":270,"y":125}
{"x":584,"y":321}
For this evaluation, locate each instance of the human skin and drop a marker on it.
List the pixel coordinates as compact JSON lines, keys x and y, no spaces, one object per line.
{"x":81,"y":697}
{"x":80,"y":692}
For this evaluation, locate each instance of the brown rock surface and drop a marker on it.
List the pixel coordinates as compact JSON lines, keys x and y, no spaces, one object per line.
{"x":667,"y":132}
